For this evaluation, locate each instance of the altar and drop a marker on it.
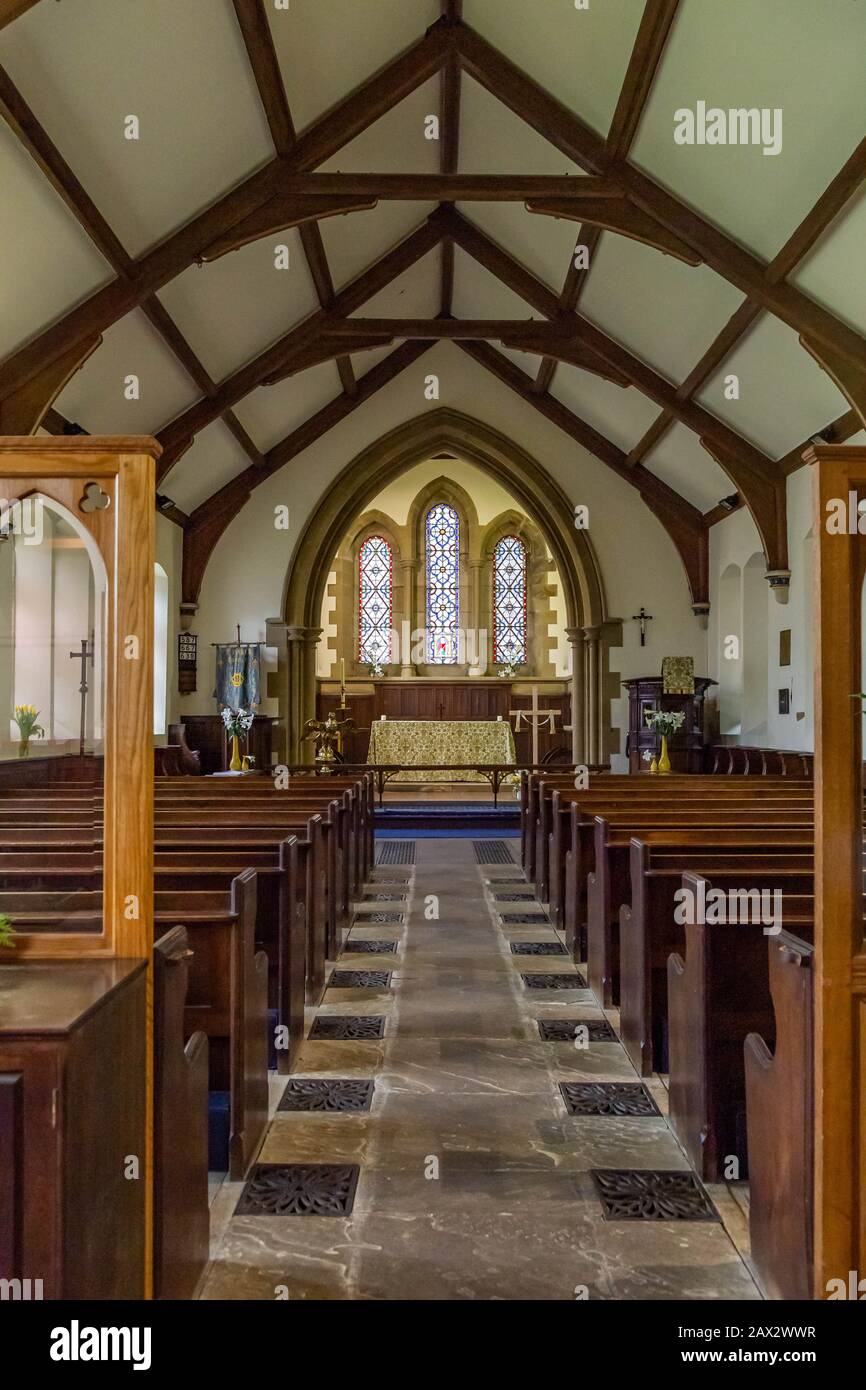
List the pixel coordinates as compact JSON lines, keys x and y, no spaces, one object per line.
{"x":414,"y":742}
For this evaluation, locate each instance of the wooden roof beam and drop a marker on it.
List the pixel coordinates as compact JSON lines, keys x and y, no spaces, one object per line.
{"x":253,"y":22}
{"x":753,"y":474}
{"x":13,"y":9}
{"x":209,"y":521}
{"x":563,"y":129}
{"x":181,"y":249}
{"x":682,"y":521}
{"x":177,"y":436}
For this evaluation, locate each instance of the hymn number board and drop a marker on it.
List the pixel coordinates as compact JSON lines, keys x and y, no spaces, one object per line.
{"x":77,"y":529}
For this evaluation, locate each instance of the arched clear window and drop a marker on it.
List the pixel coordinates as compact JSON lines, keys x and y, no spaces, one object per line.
{"x":375,"y":590}
{"x":442,"y":532}
{"x":509,"y":600}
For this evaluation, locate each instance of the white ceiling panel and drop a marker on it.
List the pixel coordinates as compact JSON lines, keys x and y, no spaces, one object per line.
{"x":784,"y":394}
{"x":493,"y":140}
{"x":230,"y":310}
{"x":580,"y":56}
{"x":355,"y":242}
{"x":619,"y":412}
{"x":49,"y":263}
{"x":680,"y":460}
{"x":415,"y":294}
{"x":827,"y":274}
{"x":664,"y":311}
{"x":544,"y":245}
{"x":327,"y":50}
{"x":213,"y":460}
{"x":804,"y":59}
{"x":95,"y":396}
{"x":478,"y":294}
{"x":271,"y":412}
{"x":396,"y":143}
{"x":182,"y":69}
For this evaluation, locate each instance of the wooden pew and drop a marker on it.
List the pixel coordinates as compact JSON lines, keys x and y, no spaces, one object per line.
{"x":779,"y":1118}
{"x":228,"y":987}
{"x":649,"y":933}
{"x":608,"y":885}
{"x":181,"y":1216}
{"x":717,"y":995}
{"x":570,"y":837}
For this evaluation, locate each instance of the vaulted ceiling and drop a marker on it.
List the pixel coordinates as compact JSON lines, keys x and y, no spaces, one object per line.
{"x":307,"y":125}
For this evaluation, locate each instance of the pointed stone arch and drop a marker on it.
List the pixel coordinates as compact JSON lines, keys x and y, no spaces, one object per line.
{"x":460,"y":436}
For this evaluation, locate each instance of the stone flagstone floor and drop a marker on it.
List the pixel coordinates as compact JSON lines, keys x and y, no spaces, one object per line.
{"x":474,"y":1181}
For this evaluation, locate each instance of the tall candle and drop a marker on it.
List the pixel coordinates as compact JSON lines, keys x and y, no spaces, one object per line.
{"x":342,"y":675}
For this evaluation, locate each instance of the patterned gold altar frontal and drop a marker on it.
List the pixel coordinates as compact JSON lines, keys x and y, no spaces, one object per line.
{"x":678,"y":675}
{"x":419,"y":741}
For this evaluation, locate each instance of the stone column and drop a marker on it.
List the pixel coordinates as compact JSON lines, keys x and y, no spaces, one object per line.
{"x":294,"y":688}
{"x":578,"y":694}
{"x":593,"y":749}
{"x":275,"y":636}
{"x":310,"y":642}
{"x":478,"y":667}
{"x":406,"y":624}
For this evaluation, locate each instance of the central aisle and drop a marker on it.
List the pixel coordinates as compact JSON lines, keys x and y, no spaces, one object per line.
{"x":475,"y":1181}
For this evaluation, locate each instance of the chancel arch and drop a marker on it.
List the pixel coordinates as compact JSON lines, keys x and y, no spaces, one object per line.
{"x":322,"y":588}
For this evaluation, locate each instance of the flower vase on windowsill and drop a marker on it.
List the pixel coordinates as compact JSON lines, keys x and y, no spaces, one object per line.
{"x":238,"y":723}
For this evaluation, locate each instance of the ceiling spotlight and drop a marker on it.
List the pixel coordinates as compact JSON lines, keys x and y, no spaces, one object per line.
{"x":730,"y":504}
{"x":163,"y":503}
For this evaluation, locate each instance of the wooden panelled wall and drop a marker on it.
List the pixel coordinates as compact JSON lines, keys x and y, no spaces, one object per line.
{"x":448,"y":700}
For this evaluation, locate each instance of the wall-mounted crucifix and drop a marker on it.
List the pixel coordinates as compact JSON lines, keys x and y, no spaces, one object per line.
{"x":643,"y":618}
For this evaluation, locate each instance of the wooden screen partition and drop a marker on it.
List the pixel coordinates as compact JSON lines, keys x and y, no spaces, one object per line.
{"x":123,"y":532}
{"x":117,"y":519}
{"x":839,"y":482}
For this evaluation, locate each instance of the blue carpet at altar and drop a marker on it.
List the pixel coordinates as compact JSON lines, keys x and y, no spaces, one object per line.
{"x":447,"y":820}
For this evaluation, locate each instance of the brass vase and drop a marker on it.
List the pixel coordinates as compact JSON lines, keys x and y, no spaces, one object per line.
{"x":664,"y":760}
{"x":235,"y":765}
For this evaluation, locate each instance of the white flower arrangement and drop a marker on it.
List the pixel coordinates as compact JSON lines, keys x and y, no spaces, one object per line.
{"x":238,"y":722}
{"x":665,"y":721}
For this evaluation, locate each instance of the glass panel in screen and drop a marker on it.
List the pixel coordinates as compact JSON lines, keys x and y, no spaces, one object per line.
{"x":53,"y":596}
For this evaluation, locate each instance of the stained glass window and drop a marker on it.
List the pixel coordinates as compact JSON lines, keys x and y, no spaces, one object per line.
{"x":509,"y":600}
{"x":443,"y":584}
{"x":375,"y":589}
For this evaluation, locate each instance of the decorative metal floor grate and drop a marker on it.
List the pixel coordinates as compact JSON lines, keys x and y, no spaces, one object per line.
{"x":362,"y":919}
{"x":525,"y":919}
{"x":537,"y":948}
{"x":387,"y":895}
{"x":565,"y":1029}
{"x":354,"y":1027}
{"x":632,"y":1194}
{"x":307,"y":1093}
{"x":299,"y":1189}
{"x":395,"y":852}
{"x":492,"y":852}
{"x":539,"y":981}
{"x":369,"y":948}
{"x":608,"y":1098}
{"x":511,"y":897}
{"x":360,"y":979}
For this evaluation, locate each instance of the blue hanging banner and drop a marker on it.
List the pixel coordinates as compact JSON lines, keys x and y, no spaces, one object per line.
{"x":238,"y":675}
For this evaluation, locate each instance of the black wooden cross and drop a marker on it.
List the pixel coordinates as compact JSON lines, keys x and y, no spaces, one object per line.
{"x":84,"y":655}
